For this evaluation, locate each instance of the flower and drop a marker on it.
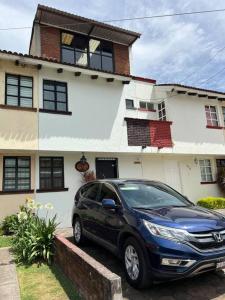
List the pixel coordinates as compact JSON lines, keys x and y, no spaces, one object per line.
{"x":29,"y":200}
{"x":48,"y":206}
{"x":39,"y":206}
{"x":22,"y":216}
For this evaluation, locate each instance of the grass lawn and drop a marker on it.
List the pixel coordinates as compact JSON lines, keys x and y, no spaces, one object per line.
{"x":5,"y":241}
{"x":44,"y":283}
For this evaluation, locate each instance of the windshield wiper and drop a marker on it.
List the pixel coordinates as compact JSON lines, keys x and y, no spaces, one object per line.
{"x":147,"y":208}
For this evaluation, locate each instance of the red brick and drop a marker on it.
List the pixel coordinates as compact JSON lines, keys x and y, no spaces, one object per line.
{"x":121,"y":59}
{"x":160,"y":134}
{"x":50,"y":42}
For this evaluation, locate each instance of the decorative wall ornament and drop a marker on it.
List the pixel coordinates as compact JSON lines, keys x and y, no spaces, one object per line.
{"x":82,"y":165}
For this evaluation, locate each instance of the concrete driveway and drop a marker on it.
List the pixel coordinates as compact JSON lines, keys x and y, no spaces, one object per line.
{"x":204,"y":287}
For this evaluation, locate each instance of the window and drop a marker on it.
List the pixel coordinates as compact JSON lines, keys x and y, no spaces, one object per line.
{"x":146,"y":105}
{"x":19,"y":90}
{"x":51,"y":173}
{"x":55,"y":95}
{"x":81,"y":50}
{"x":206,"y":170}
{"x":92,"y":192}
{"x":223,"y":111}
{"x":107,"y":192}
{"x":162,"y":111}
{"x":129,"y":104}
{"x":16,"y":173}
{"x":211,"y":115}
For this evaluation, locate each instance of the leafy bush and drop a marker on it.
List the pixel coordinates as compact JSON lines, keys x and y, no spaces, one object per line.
{"x":33,"y":241}
{"x":212,"y":202}
{"x":9,"y":225}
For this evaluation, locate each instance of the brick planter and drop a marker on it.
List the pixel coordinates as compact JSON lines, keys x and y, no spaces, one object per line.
{"x":91,"y":279}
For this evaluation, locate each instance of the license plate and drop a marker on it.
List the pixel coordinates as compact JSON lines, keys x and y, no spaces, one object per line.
{"x":220,"y":265}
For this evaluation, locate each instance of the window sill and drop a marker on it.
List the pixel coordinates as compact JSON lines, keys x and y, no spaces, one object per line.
{"x":12,"y":107}
{"x":16,"y":192}
{"x":208,"y":182}
{"x":131,"y":108}
{"x":146,"y":110}
{"x":52,"y":190}
{"x":214,"y":127}
{"x":48,"y":111}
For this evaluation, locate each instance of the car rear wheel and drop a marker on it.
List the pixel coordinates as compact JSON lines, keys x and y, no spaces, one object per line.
{"x":77,"y":231}
{"x":135,"y":264}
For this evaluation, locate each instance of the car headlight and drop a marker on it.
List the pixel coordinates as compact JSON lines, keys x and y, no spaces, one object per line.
{"x":167,"y":232}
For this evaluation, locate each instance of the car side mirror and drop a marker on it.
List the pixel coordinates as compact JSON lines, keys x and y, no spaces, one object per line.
{"x":109,"y":204}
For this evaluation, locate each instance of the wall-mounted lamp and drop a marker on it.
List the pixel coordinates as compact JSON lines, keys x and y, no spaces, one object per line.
{"x":196,"y":161}
{"x":143,"y":147}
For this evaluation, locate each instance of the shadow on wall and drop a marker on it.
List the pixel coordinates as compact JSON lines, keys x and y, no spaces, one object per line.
{"x":94,"y":112}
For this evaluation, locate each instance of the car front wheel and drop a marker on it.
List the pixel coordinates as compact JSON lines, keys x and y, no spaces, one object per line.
{"x":135,"y":264}
{"x":77,"y":232}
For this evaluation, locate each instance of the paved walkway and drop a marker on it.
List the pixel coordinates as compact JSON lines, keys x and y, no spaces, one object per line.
{"x":9,"y":286}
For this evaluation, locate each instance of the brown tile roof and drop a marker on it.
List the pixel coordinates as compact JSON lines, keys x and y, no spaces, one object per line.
{"x":190,"y":87}
{"x":57,"y":18}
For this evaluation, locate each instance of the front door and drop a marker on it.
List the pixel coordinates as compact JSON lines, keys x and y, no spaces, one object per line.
{"x":106,"y":168}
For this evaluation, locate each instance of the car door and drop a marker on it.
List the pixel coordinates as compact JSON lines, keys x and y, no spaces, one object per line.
{"x":88,"y":205}
{"x":112,"y":221}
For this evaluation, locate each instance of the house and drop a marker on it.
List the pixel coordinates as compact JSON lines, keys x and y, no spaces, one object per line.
{"x":74,"y":97}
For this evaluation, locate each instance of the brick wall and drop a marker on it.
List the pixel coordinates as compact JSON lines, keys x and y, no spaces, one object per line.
{"x":91,"y":279}
{"x":160,"y":134}
{"x":138,"y":132}
{"x":50,"y":42}
{"x":121,"y":58}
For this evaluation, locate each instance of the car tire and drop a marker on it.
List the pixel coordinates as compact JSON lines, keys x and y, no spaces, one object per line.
{"x":78,"y":232}
{"x":133,"y":254}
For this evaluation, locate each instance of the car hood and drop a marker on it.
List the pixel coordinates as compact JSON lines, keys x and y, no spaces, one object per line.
{"x":191,"y":218}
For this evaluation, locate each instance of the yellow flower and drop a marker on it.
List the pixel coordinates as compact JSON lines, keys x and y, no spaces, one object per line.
{"x":29,"y":200}
{"x":22,"y":216}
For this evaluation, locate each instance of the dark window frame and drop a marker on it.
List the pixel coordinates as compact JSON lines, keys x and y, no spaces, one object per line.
{"x":16,"y":173}
{"x":19,"y":88}
{"x":51,"y":176}
{"x":132,"y":104}
{"x":55,"y":101}
{"x":88,"y":37}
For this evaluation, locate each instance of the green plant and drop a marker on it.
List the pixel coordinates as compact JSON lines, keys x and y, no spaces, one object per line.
{"x":34,"y":239}
{"x":212,"y":202}
{"x":9,"y":225}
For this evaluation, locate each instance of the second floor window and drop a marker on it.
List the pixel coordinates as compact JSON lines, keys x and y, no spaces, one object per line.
{"x":19,"y":90}
{"x":16,"y":173}
{"x":211,"y":115}
{"x":51,"y":173}
{"x":162,"y":111}
{"x":84,"y":51}
{"x":146,"y":105}
{"x":223,"y":111}
{"x":129,"y":104}
{"x":55,"y":95}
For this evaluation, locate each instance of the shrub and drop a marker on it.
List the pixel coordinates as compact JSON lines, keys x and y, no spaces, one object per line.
{"x":34,"y":239}
{"x":212,"y":202}
{"x":221,"y":179}
{"x":9,"y":225}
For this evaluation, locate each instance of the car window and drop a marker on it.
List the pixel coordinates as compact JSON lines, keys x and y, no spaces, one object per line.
{"x":92,"y":191}
{"x":107,"y":192}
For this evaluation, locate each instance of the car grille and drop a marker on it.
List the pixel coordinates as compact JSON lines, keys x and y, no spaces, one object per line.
{"x":208,"y":241}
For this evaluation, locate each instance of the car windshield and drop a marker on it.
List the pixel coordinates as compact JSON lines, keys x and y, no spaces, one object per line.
{"x":151,"y":195}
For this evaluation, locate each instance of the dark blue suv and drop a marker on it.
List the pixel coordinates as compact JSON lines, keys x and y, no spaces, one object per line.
{"x":157,"y":232}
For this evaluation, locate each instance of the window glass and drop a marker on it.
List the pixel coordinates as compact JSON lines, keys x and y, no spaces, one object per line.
{"x":107,"y":192}
{"x":51,"y":173}
{"x":129,"y":103}
{"x":151,"y":195}
{"x":223,"y":111}
{"x":211,"y":115}
{"x":67,"y":38}
{"x":67,"y":55}
{"x":162,"y":111}
{"x":16,"y":173}
{"x":80,"y":43}
{"x":54,"y":95}
{"x":81,"y":58}
{"x":19,"y":90}
{"x":94,"y":46}
{"x":92,"y":192}
{"x":107,"y":64}
{"x":206,"y":170}
{"x":95,"y":61}
{"x":106,"y":48}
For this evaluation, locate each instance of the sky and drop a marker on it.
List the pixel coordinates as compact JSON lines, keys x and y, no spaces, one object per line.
{"x":184,"y":49}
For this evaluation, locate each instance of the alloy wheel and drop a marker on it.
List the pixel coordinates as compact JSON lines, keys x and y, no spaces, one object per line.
{"x":132,"y":262}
